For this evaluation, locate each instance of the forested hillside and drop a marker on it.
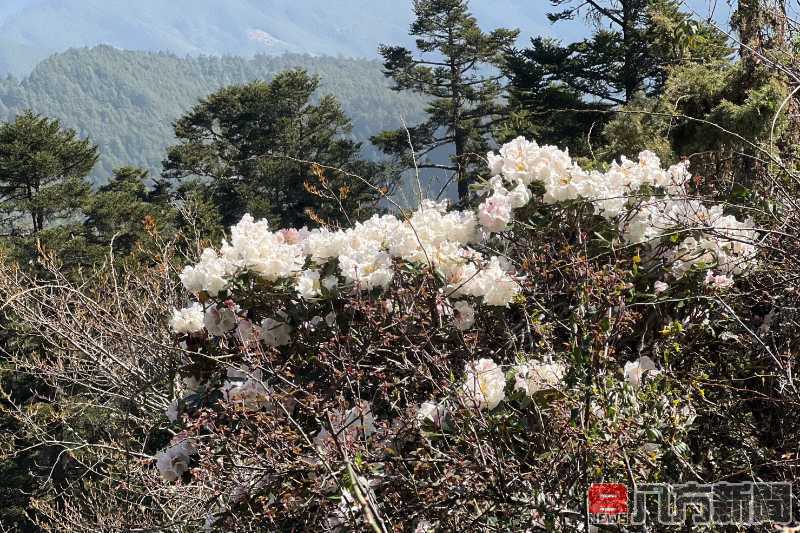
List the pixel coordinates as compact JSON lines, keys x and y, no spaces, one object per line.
{"x":127,"y":101}
{"x":351,"y":28}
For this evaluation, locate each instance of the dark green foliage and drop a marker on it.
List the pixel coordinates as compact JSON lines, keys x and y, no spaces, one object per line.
{"x":461,"y":68}
{"x":543,"y":108}
{"x":634,"y":43}
{"x":128,"y":211}
{"x":560,"y":94}
{"x":42,"y":167}
{"x":254,"y":143}
{"x":127,"y":101}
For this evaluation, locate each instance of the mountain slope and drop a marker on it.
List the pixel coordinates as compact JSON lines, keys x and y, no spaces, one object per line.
{"x":126,"y":101}
{"x":352,"y":28}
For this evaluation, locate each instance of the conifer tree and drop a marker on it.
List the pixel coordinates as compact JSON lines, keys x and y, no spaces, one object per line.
{"x":42,"y":171}
{"x":253,"y":143}
{"x":562,"y":93}
{"x":462,"y":69}
{"x":633,"y":45}
{"x":126,"y":210}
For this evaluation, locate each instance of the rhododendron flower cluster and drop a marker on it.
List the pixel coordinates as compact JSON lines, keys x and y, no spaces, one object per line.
{"x":645,"y":204}
{"x":188,"y":320}
{"x":648,"y":201}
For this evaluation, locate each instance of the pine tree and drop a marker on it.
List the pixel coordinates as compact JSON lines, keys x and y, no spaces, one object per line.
{"x":633,"y":45}
{"x":128,"y":211}
{"x":42,"y":171}
{"x":560,"y":94}
{"x":252,"y":144}
{"x":462,"y":69}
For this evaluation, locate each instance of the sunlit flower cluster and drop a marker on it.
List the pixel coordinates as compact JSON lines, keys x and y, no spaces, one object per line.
{"x":188,"y":320}
{"x":648,"y":202}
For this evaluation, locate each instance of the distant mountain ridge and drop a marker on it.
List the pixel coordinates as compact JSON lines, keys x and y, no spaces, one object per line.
{"x":126,"y":101}
{"x":351,"y":28}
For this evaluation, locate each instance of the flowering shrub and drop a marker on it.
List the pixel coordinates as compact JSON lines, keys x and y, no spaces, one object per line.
{"x":393,"y":371}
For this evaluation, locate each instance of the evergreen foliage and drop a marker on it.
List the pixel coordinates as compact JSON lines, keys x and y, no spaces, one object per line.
{"x":126,"y":102}
{"x":461,"y":68}
{"x":257,"y":142}
{"x":42,"y":167}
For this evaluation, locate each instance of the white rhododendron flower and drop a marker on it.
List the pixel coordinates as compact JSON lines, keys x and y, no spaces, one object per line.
{"x":637,"y":371}
{"x":256,"y":249}
{"x":659,"y":287}
{"x":519,"y":196}
{"x":294,"y":236}
{"x":174,"y":461}
{"x":308,"y":284}
{"x":531,"y":378}
{"x":495,"y":285}
{"x":275,"y":332}
{"x":433,"y":413}
{"x":366,"y":268}
{"x":209,"y":275}
{"x":464,"y":315}
{"x":495,"y":213}
{"x":219,"y":322}
{"x":484,"y":385}
{"x":188,"y":320}
{"x":525,"y":161}
{"x":718,"y":281}
{"x":246,"y":390}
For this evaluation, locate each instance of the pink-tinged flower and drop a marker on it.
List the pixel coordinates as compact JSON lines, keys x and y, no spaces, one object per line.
{"x":294,"y":236}
{"x":219,"y":322}
{"x":174,"y":461}
{"x":718,"y":281}
{"x":494,"y":213}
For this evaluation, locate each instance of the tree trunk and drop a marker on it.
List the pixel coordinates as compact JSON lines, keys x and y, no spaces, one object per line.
{"x":629,"y":75}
